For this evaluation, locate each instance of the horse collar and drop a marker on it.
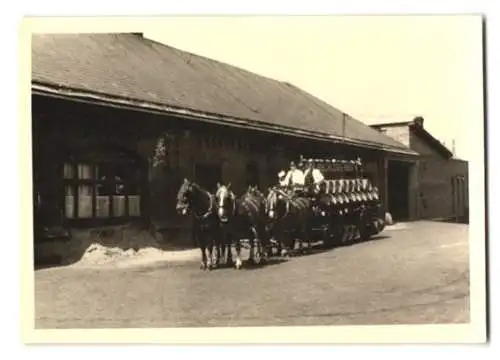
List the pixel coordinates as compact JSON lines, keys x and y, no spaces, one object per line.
{"x":210,"y":208}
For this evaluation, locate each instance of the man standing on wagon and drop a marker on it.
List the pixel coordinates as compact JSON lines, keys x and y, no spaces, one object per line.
{"x":294,"y":178}
{"x":282,"y":179}
{"x":313,"y":175}
{"x":313,"y":178}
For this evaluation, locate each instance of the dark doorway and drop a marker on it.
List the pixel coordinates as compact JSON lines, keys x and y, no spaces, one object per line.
{"x":398,"y":190}
{"x":253,"y":177}
{"x":208,"y":175}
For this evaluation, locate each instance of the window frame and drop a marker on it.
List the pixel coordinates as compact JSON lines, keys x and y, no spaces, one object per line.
{"x":107,"y":156}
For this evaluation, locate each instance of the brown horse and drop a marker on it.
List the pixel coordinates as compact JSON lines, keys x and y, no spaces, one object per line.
{"x":225,"y":203}
{"x":252,"y":221}
{"x":200,"y":204}
{"x":290,"y":217}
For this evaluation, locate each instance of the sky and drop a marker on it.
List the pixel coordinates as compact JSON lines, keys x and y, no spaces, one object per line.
{"x":375,"y":68}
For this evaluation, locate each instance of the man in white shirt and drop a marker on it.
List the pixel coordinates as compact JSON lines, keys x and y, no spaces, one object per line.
{"x":295,"y":176}
{"x":282,"y":178}
{"x":313,"y":173}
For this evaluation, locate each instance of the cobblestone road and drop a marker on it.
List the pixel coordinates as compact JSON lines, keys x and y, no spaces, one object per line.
{"x":416,"y":274}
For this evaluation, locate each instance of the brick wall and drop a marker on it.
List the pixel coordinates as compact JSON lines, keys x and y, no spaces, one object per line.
{"x":399,"y":133}
{"x":436,"y":193}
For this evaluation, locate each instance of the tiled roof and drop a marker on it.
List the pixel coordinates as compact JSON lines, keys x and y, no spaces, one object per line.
{"x":129,"y":66}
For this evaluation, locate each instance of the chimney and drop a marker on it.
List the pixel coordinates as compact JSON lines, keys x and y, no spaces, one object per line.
{"x":344,"y":120}
{"x":453,"y":147}
{"x":419,"y":120}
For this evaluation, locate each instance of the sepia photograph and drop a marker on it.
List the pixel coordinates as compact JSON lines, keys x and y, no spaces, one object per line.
{"x":243,"y":172}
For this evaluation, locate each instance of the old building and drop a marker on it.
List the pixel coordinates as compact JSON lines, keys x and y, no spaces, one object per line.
{"x":119,"y":120}
{"x":442,"y":178}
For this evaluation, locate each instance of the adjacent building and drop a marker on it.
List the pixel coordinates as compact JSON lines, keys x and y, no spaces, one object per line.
{"x":442,"y":178}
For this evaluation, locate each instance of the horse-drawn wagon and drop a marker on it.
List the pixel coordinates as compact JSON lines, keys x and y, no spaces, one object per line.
{"x":346,"y":205}
{"x":341,"y":208}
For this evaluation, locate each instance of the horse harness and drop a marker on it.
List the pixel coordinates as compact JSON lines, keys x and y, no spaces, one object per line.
{"x":210,"y":208}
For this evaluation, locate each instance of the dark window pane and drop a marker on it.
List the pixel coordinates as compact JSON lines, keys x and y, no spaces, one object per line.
{"x":104,"y":171}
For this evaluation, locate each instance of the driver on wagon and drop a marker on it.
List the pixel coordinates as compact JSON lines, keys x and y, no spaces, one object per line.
{"x":317,"y":176}
{"x":281,"y":178}
{"x":294,"y":177}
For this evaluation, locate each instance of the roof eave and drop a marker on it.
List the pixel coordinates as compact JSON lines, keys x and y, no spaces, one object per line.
{"x":443,"y":150}
{"x":390,"y":124}
{"x":53,"y":90}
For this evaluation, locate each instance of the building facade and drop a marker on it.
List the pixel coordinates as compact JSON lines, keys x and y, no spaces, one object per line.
{"x":119,"y":121}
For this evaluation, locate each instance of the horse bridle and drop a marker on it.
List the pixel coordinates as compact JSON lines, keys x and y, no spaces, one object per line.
{"x":233,"y":198}
{"x":278,"y":193}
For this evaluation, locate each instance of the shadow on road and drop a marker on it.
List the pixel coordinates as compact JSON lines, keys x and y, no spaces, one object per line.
{"x":248,"y":265}
{"x":319,"y":248}
{"x":356,"y":242}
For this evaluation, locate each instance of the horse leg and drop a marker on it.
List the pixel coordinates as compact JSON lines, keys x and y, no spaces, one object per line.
{"x":226,"y":247}
{"x":203,"y":265}
{"x":229,"y":255}
{"x":255,"y":249}
{"x":289,"y":246}
{"x":210,"y":255}
{"x":300,"y":238}
{"x":216,"y":261}
{"x":251,"y":243}
{"x":238,"y":263}
{"x":228,"y":244}
{"x":273,"y":243}
{"x":265,"y":243}
{"x":261,"y":246}
{"x":307,"y":236}
{"x":304,"y":235}
{"x":198,"y":239}
{"x":308,"y":231}
{"x":251,"y":252}
{"x":228,"y":258}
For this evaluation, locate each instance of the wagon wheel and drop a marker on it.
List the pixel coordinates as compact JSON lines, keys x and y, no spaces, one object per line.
{"x":275,"y":247}
{"x":363,"y":227}
{"x":328,"y":236}
{"x":352,"y":233}
{"x":257,"y":257}
{"x":348,"y":233}
{"x":337,"y":234}
{"x":342,"y":234}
